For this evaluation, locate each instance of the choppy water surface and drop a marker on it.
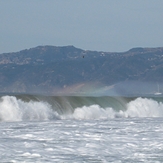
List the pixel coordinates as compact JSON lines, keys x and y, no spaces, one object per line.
{"x":81,"y":129}
{"x":113,"y":140}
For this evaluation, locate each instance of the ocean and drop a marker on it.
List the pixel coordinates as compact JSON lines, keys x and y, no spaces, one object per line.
{"x":66,"y":129}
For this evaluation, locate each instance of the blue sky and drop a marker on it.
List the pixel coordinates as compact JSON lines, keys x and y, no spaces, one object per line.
{"x":102,"y":25}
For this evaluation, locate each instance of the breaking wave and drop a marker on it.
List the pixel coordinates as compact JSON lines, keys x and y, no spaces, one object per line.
{"x":138,"y":108}
{"x":35,"y":108}
{"x":13,"y":109}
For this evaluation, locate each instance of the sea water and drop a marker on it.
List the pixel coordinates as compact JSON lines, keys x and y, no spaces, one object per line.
{"x":81,"y":129}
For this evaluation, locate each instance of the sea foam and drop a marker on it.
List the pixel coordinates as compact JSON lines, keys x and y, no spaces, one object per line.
{"x":140,"y":107}
{"x":13,"y":109}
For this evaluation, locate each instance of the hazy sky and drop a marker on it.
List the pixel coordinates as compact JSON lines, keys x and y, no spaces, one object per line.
{"x":102,"y":25}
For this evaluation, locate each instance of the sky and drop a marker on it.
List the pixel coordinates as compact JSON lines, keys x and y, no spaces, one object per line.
{"x":101,"y":25}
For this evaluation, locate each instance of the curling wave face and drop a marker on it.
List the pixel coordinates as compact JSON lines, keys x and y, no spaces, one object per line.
{"x":40,"y":108}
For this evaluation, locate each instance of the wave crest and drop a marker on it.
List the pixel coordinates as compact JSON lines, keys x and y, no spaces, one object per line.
{"x":143,"y":107}
{"x":140,"y":107}
{"x":13,"y":109}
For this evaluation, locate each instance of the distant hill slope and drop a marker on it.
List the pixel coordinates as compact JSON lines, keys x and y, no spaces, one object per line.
{"x":50,"y":69}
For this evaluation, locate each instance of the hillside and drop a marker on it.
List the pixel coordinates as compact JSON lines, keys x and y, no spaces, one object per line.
{"x":52,"y":70}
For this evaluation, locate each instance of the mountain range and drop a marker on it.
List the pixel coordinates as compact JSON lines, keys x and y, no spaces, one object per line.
{"x":69,"y":70}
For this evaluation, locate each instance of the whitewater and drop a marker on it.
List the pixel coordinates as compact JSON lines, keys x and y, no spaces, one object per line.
{"x":35,"y":128}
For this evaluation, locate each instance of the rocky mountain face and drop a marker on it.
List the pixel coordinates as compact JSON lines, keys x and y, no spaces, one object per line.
{"x":50,"y":69}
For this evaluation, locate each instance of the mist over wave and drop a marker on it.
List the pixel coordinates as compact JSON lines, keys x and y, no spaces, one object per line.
{"x":35,"y":108}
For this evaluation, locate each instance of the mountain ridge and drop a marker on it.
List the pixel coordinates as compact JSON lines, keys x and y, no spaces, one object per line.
{"x":53,"y":69}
